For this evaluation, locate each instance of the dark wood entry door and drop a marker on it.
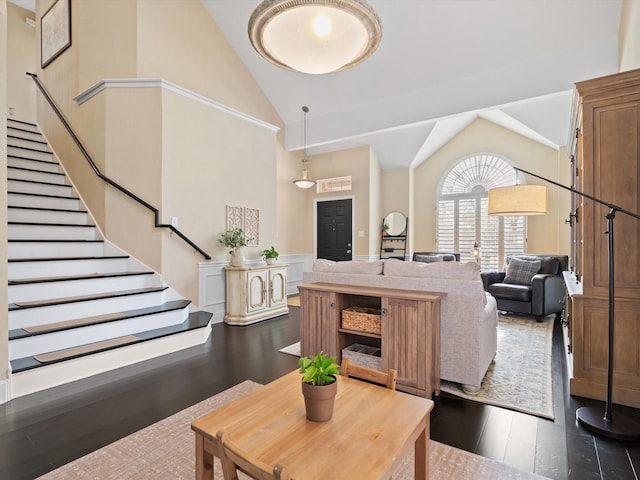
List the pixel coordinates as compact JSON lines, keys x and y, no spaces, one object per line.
{"x":334,"y":230}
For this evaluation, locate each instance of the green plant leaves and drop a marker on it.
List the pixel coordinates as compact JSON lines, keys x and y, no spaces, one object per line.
{"x":320,"y":370}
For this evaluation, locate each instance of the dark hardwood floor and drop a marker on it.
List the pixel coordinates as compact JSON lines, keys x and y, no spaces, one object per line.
{"x":42,"y":431}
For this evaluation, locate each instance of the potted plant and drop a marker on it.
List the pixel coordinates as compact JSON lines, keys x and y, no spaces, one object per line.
{"x":270,"y":255}
{"x":234,"y":240}
{"x":385,"y":228}
{"x":319,"y":386}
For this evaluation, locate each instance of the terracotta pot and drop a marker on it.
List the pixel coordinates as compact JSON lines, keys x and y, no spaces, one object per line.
{"x":318,"y":401}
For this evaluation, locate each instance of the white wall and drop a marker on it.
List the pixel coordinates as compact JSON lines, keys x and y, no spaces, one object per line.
{"x":4,"y":321}
{"x":21,"y":58}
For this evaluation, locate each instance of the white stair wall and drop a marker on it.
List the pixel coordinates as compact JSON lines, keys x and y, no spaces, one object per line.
{"x":51,"y":238}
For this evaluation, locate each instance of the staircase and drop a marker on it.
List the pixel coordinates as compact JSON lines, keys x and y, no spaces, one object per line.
{"x":78,"y":305}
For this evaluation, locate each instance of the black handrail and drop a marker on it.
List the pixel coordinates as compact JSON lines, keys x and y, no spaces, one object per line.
{"x":97,"y":171}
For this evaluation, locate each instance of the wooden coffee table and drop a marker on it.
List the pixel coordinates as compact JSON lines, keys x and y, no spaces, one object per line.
{"x":371,"y":431}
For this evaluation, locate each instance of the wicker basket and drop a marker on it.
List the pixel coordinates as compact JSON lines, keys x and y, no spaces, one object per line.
{"x":361,"y":319}
{"x":363,"y":355}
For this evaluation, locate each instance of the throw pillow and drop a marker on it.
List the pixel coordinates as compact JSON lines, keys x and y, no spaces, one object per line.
{"x":520,"y":272}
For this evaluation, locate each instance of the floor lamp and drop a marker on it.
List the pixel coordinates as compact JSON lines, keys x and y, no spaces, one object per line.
{"x":530,"y":200}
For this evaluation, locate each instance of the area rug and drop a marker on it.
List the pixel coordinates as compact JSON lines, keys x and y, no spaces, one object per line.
{"x":520,"y":377}
{"x":165,"y":450}
{"x":293,"y":301}
{"x":293,"y":349}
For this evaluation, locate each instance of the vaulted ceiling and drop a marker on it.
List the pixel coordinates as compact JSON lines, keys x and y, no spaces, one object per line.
{"x":441,"y":64}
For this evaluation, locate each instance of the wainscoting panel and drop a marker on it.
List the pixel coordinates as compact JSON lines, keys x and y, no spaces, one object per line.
{"x":4,"y":391}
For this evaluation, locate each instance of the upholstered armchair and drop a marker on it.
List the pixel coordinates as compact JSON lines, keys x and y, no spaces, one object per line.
{"x":431,"y":257}
{"x":530,"y":284}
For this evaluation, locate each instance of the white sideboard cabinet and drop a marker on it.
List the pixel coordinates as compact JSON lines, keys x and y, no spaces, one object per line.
{"x":256,"y":292}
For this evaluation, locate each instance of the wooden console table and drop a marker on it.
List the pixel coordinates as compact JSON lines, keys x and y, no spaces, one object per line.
{"x":409,"y":338}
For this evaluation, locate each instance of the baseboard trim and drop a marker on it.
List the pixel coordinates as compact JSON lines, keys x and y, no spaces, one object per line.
{"x":4,"y":391}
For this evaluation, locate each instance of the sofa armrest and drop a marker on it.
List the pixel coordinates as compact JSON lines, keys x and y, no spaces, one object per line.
{"x":489,"y":278}
{"x":547,"y":294}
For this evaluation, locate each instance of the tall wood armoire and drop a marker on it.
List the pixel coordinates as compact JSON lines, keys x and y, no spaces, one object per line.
{"x":605,"y":164}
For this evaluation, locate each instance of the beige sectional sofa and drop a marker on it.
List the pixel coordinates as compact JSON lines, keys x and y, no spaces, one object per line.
{"x":469,"y":317}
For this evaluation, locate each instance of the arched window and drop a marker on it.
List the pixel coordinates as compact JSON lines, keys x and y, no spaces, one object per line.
{"x":462,"y":212}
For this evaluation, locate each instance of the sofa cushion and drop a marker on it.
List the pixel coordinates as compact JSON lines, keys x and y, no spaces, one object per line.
{"x":518,"y":293}
{"x":520,"y":271}
{"x":443,"y":270}
{"x":349,"y":266}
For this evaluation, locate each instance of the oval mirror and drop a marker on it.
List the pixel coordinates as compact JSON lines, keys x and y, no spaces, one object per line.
{"x":396,"y":223}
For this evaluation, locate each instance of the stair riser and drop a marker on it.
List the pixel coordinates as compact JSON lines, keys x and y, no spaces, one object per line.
{"x":46,"y":232}
{"x":26,"y":153}
{"x":17,"y":200}
{"x":46,"y":216}
{"x":54,"y":268}
{"x":27,"y":187}
{"x":34,"y":176}
{"x":31,"y":381}
{"x":22,"y":126}
{"x":26,"y":347}
{"x":21,"y":133}
{"x":20,"y":250}
{"x":33,"y":144}
{"x":70,"y":288}
{"x":57,"y":313}
{"x":34,"y":165}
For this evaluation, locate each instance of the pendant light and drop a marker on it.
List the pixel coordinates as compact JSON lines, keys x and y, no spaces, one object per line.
{"x":315,"y":36}
{"x":304,"y":181}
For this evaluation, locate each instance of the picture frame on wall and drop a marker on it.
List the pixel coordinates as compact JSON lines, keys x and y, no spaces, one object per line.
{"x":55,"y":31}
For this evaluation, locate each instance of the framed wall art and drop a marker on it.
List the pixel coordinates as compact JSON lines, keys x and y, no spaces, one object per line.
{"x":235,"y":217}
{"x":55,"y":31}
{"x":248,"y":219}
{"x":252,"y":226}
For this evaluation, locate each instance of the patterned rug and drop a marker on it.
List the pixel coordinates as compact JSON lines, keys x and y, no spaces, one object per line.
{"x":165,"y":450}
{"x":293,"y":301}
{"x":520,"y":377}
{"x":293,"y":349}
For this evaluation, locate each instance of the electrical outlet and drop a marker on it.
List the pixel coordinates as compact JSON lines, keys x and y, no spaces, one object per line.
{"x":174,"y":222}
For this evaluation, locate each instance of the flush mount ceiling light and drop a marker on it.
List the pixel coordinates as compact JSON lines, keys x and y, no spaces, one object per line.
{"x":315,"y":36}
{"x":304,"y":181}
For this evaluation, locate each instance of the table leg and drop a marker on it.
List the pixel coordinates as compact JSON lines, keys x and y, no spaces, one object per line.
{"x":204,"y":462}
{"x":422,"y":453}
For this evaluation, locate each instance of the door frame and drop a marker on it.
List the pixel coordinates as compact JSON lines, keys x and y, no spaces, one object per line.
{"x":316,"y":201}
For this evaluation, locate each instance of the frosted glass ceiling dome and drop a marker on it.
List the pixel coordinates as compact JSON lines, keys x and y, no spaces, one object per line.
{"x":315,"y":36}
